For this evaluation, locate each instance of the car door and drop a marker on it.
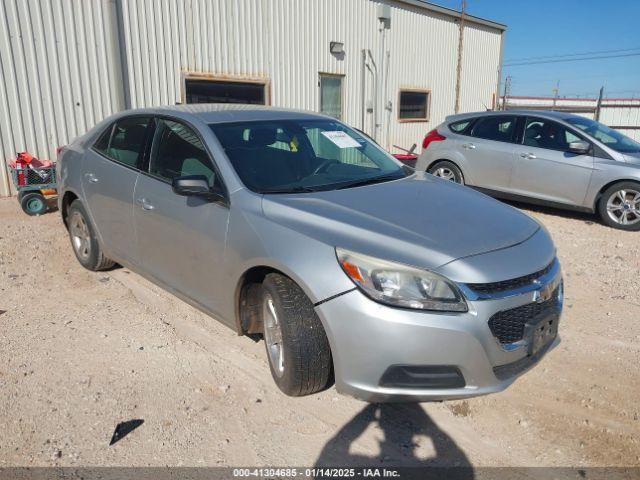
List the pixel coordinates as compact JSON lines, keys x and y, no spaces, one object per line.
{"x":489,"y":152}
{"x":181,"y":239}
{"x":111,"y":169}
{"x":546,"y":169}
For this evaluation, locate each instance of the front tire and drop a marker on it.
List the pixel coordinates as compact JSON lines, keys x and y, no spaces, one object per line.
{"x":83,"y":239}
{"x":296,"y":343}
{"x":447,"y":171}
{"x":619,"y":206}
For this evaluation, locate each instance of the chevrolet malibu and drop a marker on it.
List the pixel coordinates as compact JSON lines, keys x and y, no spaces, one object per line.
{"x":292,"y":227}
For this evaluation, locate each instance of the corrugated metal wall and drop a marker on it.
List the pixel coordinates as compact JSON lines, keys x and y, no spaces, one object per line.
{"x":60,"y":73}
{"x":61,"y":60}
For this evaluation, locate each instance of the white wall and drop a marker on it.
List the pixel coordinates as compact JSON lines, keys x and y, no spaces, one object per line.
{"x":61,"y":65}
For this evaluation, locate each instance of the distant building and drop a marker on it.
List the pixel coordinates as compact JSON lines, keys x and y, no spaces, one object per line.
{"x":622,"y":114}
{"x":387,"y":67}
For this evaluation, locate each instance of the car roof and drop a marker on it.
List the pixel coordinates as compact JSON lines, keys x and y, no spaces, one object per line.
{"x":551,"y":114}
{"x":228,"y":112}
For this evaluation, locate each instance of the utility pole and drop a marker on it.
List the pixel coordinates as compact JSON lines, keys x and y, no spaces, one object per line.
{"x":599,"y":104}
{"x":555,"y":94}
{"x":460,"y":45}
{"x":506,"y":91}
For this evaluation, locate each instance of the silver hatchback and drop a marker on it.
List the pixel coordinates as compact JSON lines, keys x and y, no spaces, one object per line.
{"x":551,"y":158}
{"x":292,"y":227}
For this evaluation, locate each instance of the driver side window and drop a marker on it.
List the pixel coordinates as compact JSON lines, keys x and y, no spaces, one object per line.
{"x":547,"y":134}
{"x":177,"y":151}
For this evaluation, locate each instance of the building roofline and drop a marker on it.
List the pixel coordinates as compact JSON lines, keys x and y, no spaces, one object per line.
{"x":573,"y":99}
{"x":454,"y":13}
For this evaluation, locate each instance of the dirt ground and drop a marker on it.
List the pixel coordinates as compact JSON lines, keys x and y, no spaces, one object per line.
{"x":81,"y":352}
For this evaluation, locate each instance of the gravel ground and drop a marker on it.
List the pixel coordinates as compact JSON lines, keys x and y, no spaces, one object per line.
{"x":81,"y":352}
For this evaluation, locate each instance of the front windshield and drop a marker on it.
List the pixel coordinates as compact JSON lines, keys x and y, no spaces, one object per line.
{"x":285,"y":156}
{"x":610,"y":137}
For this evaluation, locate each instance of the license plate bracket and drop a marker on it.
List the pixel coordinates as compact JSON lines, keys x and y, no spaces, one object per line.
{"x":541,"y":333}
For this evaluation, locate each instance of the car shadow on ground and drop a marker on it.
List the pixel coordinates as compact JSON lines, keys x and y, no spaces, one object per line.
{"x":404,"y":427}
{"x":585,"y":217}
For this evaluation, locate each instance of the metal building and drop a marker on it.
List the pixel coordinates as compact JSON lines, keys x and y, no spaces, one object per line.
{"x":388,"y":67}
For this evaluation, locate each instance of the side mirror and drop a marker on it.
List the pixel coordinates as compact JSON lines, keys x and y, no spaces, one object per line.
{"x":579,"y":147}
{"x":195,"y":186}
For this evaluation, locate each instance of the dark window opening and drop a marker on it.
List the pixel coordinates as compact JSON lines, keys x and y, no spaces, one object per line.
{"x":125,"y":141}
{"x":220,"y":91}
{"x":498,"y":128}
{"x":413,"y":105}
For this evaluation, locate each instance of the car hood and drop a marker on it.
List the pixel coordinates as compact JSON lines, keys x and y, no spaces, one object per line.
{"x":632,"y":158}
{"x":419,"y":220}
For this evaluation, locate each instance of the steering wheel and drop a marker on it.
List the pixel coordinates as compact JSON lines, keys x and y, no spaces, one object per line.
{"x":323,"y":166}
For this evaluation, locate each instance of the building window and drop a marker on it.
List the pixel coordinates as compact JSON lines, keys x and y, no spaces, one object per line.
{"x":198,"y":90}
{"x":331,"y":95}
{"x":413,"y":105}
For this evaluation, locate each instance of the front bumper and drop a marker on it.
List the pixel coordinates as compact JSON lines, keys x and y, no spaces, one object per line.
{"x":367,"y":338}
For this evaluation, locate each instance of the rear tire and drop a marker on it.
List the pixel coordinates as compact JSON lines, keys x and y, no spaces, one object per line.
{"x":297,"y":346}
{"x":447,"y":171}
{"x":33,"y":203}
{"x":619,"y":206}
{"x":83,"y":239}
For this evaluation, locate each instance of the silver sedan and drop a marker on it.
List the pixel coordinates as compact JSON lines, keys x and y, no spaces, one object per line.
{"x":293,"y":227}
{"x":550,"y":158}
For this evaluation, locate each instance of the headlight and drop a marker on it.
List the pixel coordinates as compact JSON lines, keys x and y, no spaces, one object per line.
{"x":400,"y":285}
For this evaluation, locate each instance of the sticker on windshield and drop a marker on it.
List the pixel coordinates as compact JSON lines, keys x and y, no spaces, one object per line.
{"x":341,"y":139}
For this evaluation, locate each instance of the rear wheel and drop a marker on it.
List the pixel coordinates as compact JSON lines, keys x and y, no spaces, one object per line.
{"x":33,"y":203}
{"x":297,"y":346}
{"x":447,"y":171}
{"x":83,"y":239}
{"x":619,"y":206}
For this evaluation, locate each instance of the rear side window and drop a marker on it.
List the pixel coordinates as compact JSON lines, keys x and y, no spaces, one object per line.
{"x":499,"y":128}
{"x":461,"y":127}
{"x":124,"y":142}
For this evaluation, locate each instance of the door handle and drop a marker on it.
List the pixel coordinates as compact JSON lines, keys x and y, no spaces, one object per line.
{"x":91,"y":177}
{"x":529,"y":156}
{"x":145,"y":204}
{"x":469,"y":146}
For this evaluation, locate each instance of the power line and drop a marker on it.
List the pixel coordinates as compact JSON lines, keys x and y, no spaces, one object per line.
{"x":572,"y":59}
{"x":601,"y":52}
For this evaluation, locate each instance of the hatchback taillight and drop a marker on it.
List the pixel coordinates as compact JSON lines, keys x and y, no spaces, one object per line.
{"x":432,"y":136}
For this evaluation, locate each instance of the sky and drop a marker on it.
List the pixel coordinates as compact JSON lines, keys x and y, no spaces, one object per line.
{"x":544,"y":28}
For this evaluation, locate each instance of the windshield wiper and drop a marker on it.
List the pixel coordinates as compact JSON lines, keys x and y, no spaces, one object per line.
{"x":296,"y":189}
{"x":370,"y":181}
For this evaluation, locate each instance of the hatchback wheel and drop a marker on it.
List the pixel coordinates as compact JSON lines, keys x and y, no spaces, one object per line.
{"x":619,"y":206}
{"x":83,"y":239}
{"x":447,"y":171}
{"x":297,"y":346}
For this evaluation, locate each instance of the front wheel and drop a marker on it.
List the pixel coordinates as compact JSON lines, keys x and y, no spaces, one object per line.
{"x":619,"y":206}
{"x":447,"y":171}
{"x":296,"y":343}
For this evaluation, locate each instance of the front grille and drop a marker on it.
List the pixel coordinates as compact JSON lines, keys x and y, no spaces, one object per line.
{"x":505,"y":285}
{"x":508,"y":326}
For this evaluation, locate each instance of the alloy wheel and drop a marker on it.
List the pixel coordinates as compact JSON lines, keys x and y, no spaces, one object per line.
{"x":80,"y":236}
{"x":446,"y":173}
{"x":623,"y":207}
